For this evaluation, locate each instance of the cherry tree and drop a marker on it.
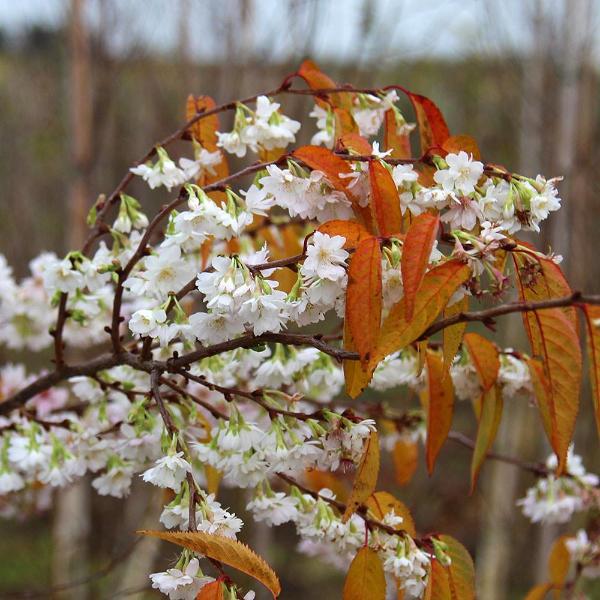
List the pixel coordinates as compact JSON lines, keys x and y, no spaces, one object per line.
{"x":232,"y":335}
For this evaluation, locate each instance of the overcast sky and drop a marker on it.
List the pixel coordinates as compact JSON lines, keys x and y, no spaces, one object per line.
{"x":407,"y":28}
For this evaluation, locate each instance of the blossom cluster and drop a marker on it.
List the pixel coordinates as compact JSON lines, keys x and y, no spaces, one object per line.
{"x":554,"y":499}
{"x":260,"y":411}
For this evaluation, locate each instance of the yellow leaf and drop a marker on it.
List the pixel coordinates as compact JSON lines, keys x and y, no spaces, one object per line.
{"x":382,"y":503}
{"x":365,"y":577}
{"x":225,"y":550}
{"x":453,"y":335}
{"x":539,"y":592}
{"x":461,"y":571}
{"x":484,"y":355}
{"x":559,"y":561}
{"x":491,"y":413}
{"x":438,"y":583}
{"x":352,"y":231}
{"x":440,"y":406}
{"x":366,"y":476}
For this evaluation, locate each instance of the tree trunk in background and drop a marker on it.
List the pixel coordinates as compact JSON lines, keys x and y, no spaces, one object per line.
{"x":72,"y":508}
{"x":571,"y":59}
{"x":501,"y":485}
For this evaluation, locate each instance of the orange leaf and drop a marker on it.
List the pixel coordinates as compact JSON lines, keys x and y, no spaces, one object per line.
{"x":382,"y":503}
{"x":438,"y":583}
{"x":366,"y":476}
{"x":322,"y":159}
{"x":385,"y":202}
{"x":211,"y":591}
{"x":455,"y":143}
{"x":204,"y":131}
{"x":356,"y":377}
{"x":344,"y":123}
{"x":461,"y":570}
{"x":592,"y":316}
{"x":491,"y":413}
{"x":365,"y":578}
{"x":484,"y":355}
{"x":225,"y":550}
{"x":356,"y":143}
{"x":541,"y":390}
{"x":363,"y":296}
{"x":559,"y":348}
{"x":559,"y":562}
{"x":353,"y":231}
{"x":416,"y":251}
{"x":539,"y":592}
{"x":453,"y":335}
{"x":317,"y":80}
{"x":440,"y":406}
{"x":540,"y":279}
{"x":436,"y":290}
{"x":317,"y":480}
{"x":433,"y":130}
{"x":398,"y":143}
{"x":405,"y":456}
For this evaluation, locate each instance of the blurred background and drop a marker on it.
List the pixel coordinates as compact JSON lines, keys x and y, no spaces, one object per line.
{"x":86,"y":86}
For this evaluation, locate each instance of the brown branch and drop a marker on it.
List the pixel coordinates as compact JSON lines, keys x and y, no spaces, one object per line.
{"x":487,"y":316}
{"x":535,"y":468}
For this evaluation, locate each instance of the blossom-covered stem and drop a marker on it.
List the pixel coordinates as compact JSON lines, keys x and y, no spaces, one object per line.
{"x":487,"y":316}
{"x":249,"y":340}
{"x":341,"y":507}
{"x":256,"y":396}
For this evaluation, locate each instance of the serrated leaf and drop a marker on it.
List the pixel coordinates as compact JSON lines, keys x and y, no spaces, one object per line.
{"x":440,"y":407}
{"x":365,"y":578}
{"x":352,"y":231}
{"x":385,"y":202}
{"x":592,"y":321}
{"x":562,"y":360}
{"x":433,"y":130}
{"x":365,"y":480}
{"x":382,"y":503}
{"x":398,"y":143}
{"x":452,"y":336}
{"x":486,"y":361}
{"x":461,"y":570}
{"x":364,"y":296}
{"x":225,"y":550}
{"x":438,"y":286}
{"x":491,"y":414}
{"x":211,"y":591}
{"x":416,"y":251}
{"x":405,"y":456}
{"x":455,"y":143}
